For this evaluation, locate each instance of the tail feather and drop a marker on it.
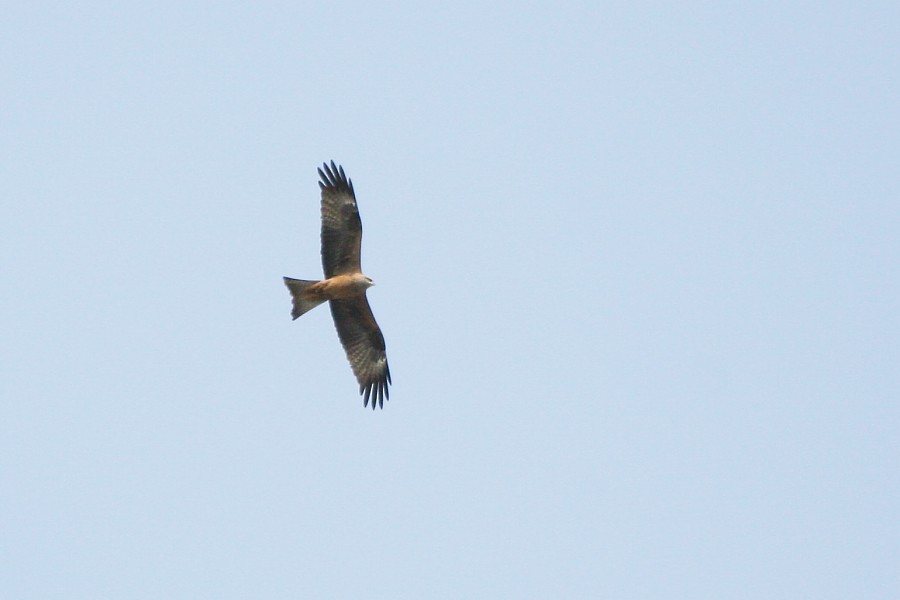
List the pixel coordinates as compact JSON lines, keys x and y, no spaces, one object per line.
{"x":303,"y":300}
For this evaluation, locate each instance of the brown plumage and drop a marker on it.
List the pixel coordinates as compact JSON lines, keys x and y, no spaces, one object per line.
{"x":344,"y":287}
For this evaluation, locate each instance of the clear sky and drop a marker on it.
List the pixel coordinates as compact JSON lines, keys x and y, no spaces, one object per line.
{"x":637,"y":270}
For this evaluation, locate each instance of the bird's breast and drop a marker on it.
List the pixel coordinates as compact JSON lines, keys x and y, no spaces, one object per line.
{"x":341,"y":286}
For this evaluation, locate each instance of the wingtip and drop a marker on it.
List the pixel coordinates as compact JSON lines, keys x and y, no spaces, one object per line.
{"x":333,"y":176}
{"x":377,"y":392}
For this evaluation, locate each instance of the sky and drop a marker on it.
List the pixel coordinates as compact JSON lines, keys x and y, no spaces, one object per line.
{"x":637,"y":270}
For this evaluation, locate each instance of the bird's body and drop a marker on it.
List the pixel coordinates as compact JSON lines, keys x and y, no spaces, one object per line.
{"x":344,"y":287}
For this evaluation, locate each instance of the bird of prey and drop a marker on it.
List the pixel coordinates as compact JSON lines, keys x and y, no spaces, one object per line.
{"x":344,"y":287}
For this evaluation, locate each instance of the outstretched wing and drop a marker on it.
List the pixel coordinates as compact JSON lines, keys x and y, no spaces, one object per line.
{"x":364,"y":345}
{"x":341,"y":227}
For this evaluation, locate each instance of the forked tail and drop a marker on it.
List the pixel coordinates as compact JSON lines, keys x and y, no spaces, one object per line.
{"x":303,"y":300}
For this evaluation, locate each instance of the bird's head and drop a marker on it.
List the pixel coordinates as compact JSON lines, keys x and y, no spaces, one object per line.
{"x":362,"y":281}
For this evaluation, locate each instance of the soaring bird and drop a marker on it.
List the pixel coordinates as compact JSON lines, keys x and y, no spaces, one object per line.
{"x":344,"y":287}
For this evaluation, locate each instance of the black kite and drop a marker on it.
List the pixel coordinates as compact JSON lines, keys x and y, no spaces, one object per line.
{"x":344,"y":287}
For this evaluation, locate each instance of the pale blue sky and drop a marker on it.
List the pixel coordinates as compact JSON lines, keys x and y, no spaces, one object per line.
{"x":637,"y":270}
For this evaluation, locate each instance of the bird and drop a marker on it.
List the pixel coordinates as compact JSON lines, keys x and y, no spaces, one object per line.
{"x":344,"y":287}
